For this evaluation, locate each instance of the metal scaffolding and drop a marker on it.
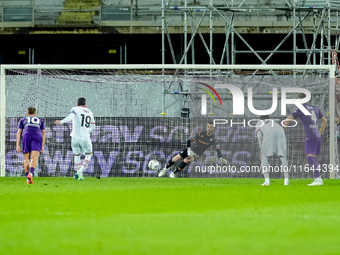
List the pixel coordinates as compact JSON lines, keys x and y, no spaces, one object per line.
{"x":323,"y":25}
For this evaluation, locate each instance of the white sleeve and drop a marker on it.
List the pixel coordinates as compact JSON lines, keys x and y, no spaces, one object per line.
{"x":68,"y":118}
{"x":93,"y":124}
{"x":259,"y":136}
{"x":92,"y":128}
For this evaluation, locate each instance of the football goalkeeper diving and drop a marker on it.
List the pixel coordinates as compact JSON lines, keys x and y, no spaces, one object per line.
{"x":196,"y":146}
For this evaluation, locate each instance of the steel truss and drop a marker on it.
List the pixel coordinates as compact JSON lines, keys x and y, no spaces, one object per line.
{"x":325,"y":30}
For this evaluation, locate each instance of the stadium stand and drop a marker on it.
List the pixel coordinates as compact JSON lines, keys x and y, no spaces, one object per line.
{"x":78,"y":12}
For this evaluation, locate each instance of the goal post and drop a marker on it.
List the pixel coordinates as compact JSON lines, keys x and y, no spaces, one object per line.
{"x":127,"y":98}
{"x":3,"y":122}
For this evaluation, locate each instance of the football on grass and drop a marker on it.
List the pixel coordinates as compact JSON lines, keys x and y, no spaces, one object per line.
{"x":153,"y":164}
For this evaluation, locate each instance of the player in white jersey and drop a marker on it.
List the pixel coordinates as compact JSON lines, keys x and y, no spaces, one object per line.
{"x":272,"y":141}
{"x":82,"y":125}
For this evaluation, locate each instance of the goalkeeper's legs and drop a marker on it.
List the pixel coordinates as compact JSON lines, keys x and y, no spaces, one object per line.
{"x":182,"y":165}
{"x":265,"y":170}
{"x":182,"y":155}
{"x":284,"y":163}
{"x":170,"y":163}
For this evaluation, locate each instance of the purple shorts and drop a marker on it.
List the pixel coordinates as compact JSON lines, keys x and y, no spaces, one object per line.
{"x":31,"y":142}
{"x":313,"y":146}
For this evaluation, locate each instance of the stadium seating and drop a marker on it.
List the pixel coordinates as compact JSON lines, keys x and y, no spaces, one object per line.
{"x":82,"y":12}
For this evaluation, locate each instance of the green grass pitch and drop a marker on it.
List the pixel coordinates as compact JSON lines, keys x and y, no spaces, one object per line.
{"x":168,"y":216}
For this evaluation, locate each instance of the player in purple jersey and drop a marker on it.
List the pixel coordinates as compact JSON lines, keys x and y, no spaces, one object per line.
{"x":33,"y":141}
{"x":313,"y":135}
{"x":196,"y":146}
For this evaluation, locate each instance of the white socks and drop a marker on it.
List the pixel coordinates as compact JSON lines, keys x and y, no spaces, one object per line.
{"x":265,"y":168}
{"x":284,"y":163}
{"x":85,"y":163}
{"x":77,"y":162}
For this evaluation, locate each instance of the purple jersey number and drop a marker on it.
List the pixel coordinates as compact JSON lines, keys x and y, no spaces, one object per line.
{"x":310,"y":122}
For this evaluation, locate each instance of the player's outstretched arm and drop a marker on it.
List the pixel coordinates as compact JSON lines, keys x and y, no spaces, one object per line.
{"x":67,"y":119}
{"x":18,"y":139}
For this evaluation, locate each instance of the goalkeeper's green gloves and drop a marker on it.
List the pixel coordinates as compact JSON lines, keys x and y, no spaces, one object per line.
{"x":223,"y":161}
{"x":190,"y":152}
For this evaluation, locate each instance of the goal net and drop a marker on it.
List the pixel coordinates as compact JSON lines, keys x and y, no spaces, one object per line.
{"x":150,"y":111}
